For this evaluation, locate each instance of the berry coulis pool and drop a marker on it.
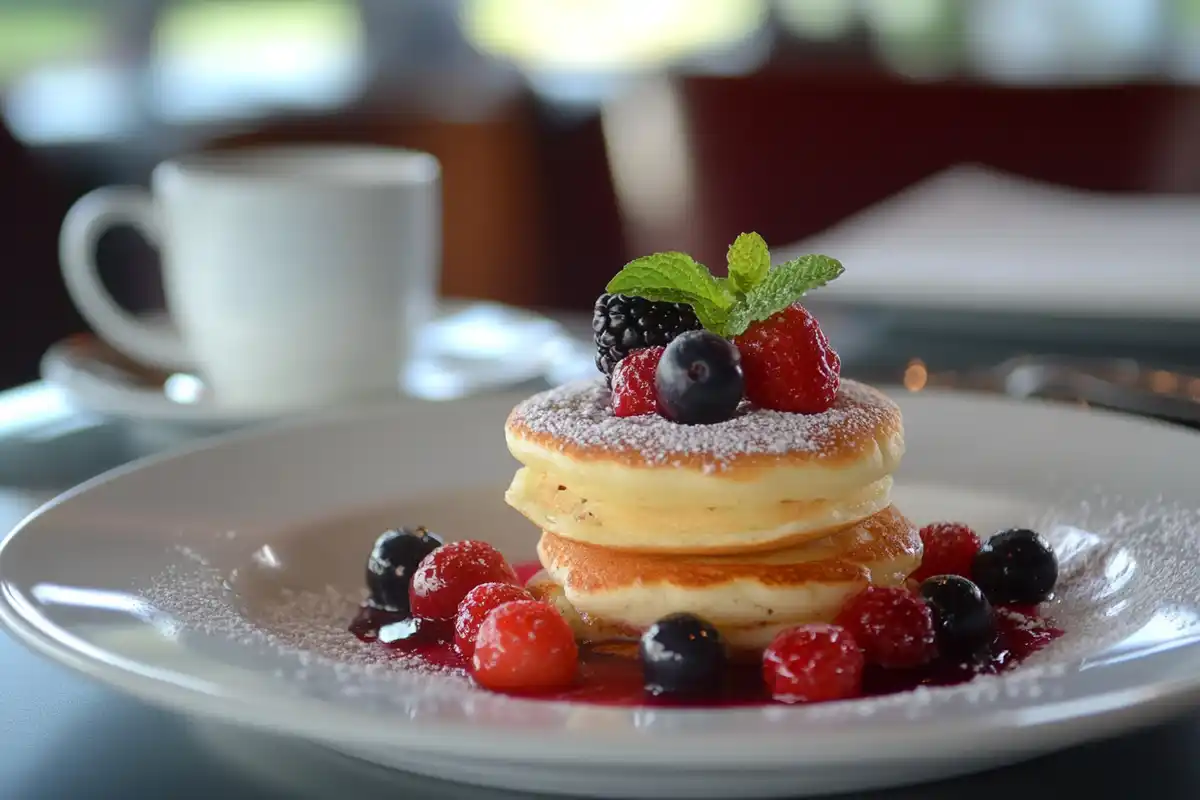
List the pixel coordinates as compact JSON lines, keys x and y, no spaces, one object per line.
{"x":611,"y":675}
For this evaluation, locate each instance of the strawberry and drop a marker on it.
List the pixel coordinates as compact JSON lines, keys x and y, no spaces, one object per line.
{"x":788,"y":363}
{"x":475,"y":607}
{"x":525,"y":646}
{"x":444,"y":577}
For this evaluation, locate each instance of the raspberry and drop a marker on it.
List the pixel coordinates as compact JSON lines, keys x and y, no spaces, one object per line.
{"x":525,"y":646}
{"x":893,"y":627}
{"x":444,"y":577}
{"x":950,"y":548}
{"x":633,"y":391}
{"x":812,"y":664}
{"x":478,"y":603}
{"x":788,"y":363}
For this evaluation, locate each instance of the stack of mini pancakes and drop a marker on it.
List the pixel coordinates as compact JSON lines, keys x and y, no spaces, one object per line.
{"x":757,"y":524}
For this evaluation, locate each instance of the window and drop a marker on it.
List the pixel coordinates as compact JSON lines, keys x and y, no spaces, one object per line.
{"x":214,"y":58}
{"x":608,"y":35}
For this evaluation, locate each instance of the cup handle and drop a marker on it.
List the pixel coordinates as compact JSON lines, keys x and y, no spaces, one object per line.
{"x":88,"y":220}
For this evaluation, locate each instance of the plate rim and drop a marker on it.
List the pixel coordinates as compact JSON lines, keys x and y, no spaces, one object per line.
{"x":1085,"y":719}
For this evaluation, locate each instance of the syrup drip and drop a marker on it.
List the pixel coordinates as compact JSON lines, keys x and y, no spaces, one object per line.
{"x":609,"y":674}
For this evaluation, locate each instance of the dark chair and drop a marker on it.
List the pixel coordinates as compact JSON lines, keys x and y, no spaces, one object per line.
{"x":789,"y":155}
{"x":34,"y":308}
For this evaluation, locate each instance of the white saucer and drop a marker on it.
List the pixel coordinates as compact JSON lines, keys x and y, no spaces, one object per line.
{"x":218,"y":582}
{"x":469,"y":348}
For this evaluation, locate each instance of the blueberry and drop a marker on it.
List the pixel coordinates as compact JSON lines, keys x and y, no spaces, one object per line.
{"x":393,"y":560}
{"x":682,"y":656}
{"x":1016,"y":566}
{"x":699,"y":379}
{"x":962,"y":616}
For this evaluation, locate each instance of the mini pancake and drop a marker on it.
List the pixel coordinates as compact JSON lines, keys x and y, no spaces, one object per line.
{"x":757,"y":457}
{"x":761,"y":480}
{"x":695,"y":525}
{"x":749,"y":596}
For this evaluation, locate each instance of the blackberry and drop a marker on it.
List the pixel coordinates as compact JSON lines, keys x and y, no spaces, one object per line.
{"x":621,"y":324}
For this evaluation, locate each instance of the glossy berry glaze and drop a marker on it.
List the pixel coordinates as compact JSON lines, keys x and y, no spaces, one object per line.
{"x":610,"y":674}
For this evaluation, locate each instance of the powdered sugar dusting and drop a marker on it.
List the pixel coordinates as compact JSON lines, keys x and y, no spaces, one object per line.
{"x":1128,"y":580}
{"x":306,"y":628}
{"x":580,"y":415}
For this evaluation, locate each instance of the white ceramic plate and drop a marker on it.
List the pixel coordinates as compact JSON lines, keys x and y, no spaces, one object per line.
{"x":469,"y":348}
{"x":218,"y":582}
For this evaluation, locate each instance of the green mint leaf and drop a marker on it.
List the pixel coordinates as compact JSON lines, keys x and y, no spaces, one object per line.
{"x":676,"y":278}
{"x":749,"y":261}
{"x":670,"y":271}
{"x":782,"y":286}
{"x":711,"y":317}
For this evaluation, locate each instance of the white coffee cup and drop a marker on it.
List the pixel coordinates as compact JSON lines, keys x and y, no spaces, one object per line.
{"x":295,"y":276}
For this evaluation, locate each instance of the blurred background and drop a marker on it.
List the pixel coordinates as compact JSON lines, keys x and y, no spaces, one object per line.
{"x":575,"y":134}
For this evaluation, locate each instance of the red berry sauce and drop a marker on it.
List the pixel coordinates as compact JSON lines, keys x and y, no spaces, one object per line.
{"x":609,"y":674}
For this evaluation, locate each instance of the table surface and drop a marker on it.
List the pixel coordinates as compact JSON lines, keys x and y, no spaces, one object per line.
{"x":63,"y":736}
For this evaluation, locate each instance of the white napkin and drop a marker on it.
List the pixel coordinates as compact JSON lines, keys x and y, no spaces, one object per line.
{"x":974,"y":238}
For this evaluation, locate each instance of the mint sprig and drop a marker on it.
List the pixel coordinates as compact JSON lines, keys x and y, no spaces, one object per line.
{"x":753,"y":292}
{"x":676,"y":278}
{"x":782,"y":286}
{"x":749,"y":261}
